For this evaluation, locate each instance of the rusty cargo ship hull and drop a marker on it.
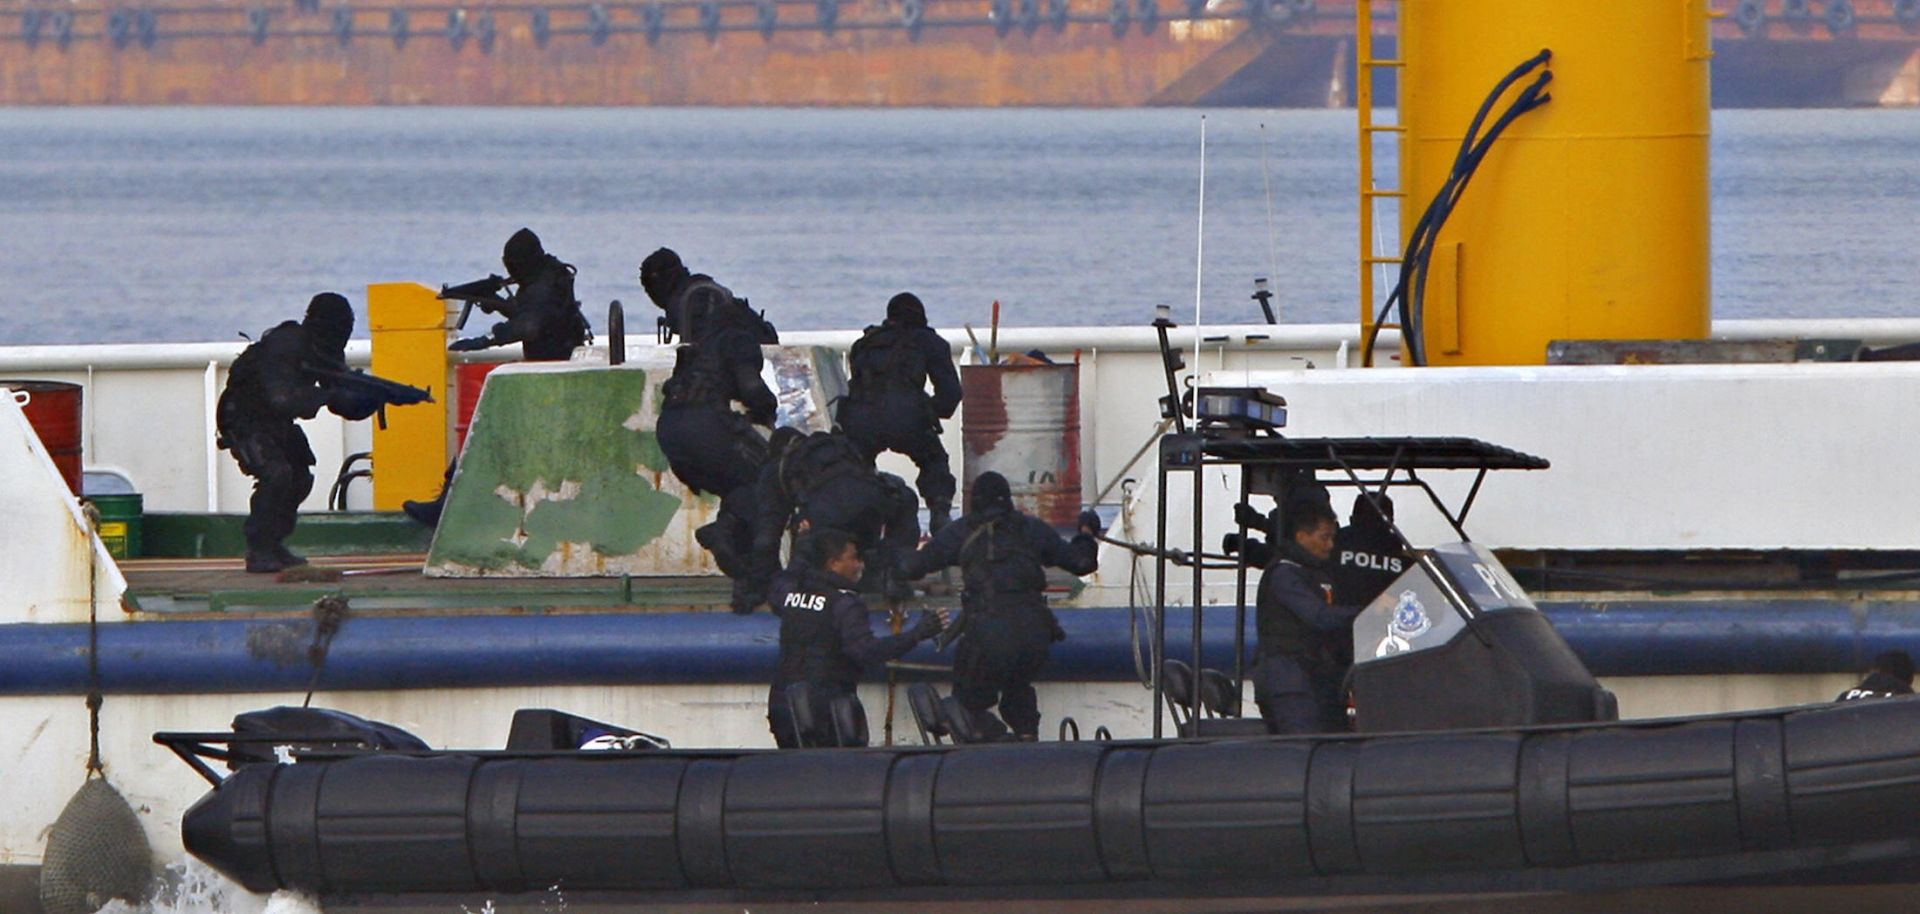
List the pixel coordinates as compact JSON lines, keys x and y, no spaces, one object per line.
{"x":881,"y":53}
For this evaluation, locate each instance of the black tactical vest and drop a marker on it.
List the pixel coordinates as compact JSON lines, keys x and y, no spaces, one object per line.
{"x":1282,"y":632}
{"x":809,"y":640}
{"x":815,"y":459}
{"x":886,"y":358}
{"x":998,"y":559}
{"x":700,"y":378}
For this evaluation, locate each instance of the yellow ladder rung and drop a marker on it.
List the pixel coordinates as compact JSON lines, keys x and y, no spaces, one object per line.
{"x":1383,"y":193}
{"x":1385,"y":128}
{"x":1383,"y":63}
{"x":1374,"y":260}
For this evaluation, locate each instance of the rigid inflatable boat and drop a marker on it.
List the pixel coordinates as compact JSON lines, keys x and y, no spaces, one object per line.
{"x":1827,"y":793}
{"x":1488,"y":760}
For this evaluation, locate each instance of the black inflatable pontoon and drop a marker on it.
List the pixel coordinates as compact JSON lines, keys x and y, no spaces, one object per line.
{"x":1789,"y":796}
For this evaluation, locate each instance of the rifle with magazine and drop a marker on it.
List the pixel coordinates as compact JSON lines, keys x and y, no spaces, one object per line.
{"x":367,"y":388}
{"x":490,"y":294}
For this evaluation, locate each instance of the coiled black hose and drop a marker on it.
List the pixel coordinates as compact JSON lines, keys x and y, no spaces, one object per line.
{"x":1409,"y":291}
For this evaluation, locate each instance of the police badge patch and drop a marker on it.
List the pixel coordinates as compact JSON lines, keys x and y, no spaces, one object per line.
{"x":1409,"y":617}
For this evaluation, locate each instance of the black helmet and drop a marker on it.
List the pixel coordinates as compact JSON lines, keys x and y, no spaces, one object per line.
{"x":522,"y":254}
{"x":329,"y":322}
{"x":660,"y":274}
{"x":905,"y":309}
{"x":990,"y":492}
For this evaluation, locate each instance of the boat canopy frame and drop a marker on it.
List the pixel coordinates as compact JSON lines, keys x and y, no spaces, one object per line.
{"x":1391,"y":462}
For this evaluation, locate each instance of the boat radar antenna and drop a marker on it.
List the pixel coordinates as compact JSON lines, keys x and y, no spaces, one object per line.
{"x":1171,"y":364}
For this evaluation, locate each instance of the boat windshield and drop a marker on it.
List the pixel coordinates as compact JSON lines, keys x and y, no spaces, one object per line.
{"x":1418,"y":612}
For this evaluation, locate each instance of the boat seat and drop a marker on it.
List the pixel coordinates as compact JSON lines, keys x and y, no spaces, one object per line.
{"x":960,"y":722}
{"x":806,"y":725}
{"x":924,"y":701}
{"x":545,"y":729}
{"x":849,"y":721}
{"x":1177,"y":681}
{"x":314,"y":729}
{"x":1218,"y":694}
{"x":843,"y":723}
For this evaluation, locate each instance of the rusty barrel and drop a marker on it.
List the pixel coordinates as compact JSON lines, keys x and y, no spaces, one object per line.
{"x":1023,"y":422}
{"x":469,"y":378}
{"x":53,"y":409}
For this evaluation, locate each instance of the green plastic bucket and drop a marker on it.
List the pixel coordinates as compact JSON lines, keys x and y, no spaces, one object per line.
{"x":120,"y":524}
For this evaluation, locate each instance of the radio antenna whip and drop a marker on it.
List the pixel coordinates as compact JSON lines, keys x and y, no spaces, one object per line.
{"x":1273,"y":244}
{"x":1200,"y":247}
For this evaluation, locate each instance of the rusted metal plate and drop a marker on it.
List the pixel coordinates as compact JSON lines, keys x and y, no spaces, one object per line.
{"x":1023,"y":422}
{"x":779,"y":52}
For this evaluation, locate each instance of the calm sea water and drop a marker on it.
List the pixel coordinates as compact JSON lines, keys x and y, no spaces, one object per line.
{"x":120,"y":225}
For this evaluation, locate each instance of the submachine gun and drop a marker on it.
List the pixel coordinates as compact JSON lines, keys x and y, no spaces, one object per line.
{"x":370,"y":387}
{"x":490,"y":294}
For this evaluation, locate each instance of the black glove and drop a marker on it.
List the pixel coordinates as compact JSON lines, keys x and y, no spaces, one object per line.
{"x":1090,"y":523}
{"x":926,"y":626}
{"x":1246,"y":516}
{"x":470,"y":344}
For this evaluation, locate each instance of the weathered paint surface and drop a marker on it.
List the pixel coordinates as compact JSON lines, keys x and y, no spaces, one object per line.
{"x":562,"y":474}
{"x":565,"y":474}
{"x":53,"y":561}
{"x":1023,"y":422}
{"x":790,"y":52}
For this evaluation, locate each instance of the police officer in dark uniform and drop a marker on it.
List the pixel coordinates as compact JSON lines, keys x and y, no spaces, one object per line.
{"x":269,"y":387}
{"x":542,"y":315}
{"x":1305,"y":638}
{"x":825,"y":482}
{"x":887,"y":407}
{"x":1007,"y":628}
{"x":670,"y":286}
{"x":825,"y":638}
{"x":1368,"y":555}
{"x":1891,"y":676}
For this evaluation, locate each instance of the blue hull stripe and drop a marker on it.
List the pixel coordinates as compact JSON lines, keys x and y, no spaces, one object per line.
{"x":401,"y":652}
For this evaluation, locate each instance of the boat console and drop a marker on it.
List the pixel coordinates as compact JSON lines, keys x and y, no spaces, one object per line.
{"x":1455,"y":643}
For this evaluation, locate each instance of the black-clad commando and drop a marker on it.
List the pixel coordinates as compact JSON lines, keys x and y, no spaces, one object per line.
{"x":291,"y":373}
{"x":1306,"y":639}
{"x":541,"y":315}
{"x":1007,"y":629}
{"x":687,"y":314}
{"x":823,"y":481}
{"x":887,"y":407}
{"x":826,"y":639}
{"x":710,"y":446}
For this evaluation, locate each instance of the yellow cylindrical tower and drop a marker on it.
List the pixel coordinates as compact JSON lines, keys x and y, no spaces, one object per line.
{"x":1588,"y":219}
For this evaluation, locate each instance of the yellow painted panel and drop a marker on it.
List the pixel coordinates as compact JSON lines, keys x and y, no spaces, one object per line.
{"x":1589,"y":218}
{"x":410,"y":346}
{"x":1443,"y":299}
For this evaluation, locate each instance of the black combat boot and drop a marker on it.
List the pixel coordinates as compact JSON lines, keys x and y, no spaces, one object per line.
{"x":426,"y":513}
{"x":266,"y":561}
